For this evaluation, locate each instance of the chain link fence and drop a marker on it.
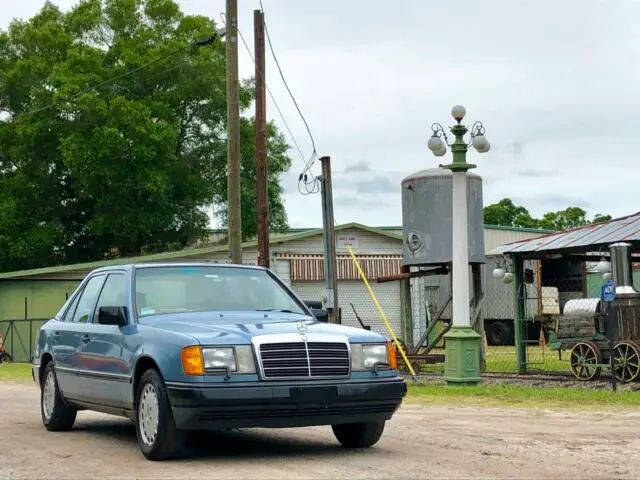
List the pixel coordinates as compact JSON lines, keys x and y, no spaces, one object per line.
{"x":549,"y":314}
{"x":355,"y":302}
{"x":17,"y":339}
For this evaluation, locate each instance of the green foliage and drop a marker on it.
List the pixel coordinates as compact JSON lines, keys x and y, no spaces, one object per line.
{"x":506,"y":213}
{"x":124,"y":168}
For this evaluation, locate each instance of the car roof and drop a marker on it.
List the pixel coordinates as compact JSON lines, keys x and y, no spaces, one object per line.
{"x":137,"y":266}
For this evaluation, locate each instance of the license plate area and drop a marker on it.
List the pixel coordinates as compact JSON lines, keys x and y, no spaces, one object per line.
{"x":316,"y":396}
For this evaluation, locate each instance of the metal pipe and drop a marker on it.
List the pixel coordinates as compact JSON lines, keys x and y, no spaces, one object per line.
{"x":622,"y":267}
{"x":406,"y":276}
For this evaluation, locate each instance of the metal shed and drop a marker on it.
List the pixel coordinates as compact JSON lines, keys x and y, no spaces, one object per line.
{"x":577,"y":248}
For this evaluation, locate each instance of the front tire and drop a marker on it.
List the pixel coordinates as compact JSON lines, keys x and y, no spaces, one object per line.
{"x":158,"y":437}
{"x":57,"y":416}
{"x":358,"y":435}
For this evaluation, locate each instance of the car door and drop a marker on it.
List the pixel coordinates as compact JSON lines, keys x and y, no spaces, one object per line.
{"x":63,"y":345}
{"x":74,"y":331}
{"x":99,"y":352}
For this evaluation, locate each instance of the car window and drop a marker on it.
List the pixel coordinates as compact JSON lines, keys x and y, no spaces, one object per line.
{"x":209,"y":288}
{"x":88,"y":299}
{"x":112,"y":294}
{"x":68,"y":315}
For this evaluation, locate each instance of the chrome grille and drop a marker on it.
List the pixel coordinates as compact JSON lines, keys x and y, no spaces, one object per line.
{"x":304,"y":360}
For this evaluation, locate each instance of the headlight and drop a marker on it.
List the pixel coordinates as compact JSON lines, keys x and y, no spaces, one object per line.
{"x":198,"y":360}
{"x":219,"y":358}
{"x":365,"y":357}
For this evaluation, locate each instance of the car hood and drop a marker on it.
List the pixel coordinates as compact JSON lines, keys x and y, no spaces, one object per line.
{"x":240,"y":327}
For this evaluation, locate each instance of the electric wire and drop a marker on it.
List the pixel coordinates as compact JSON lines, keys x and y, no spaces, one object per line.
{"x":284,"y":121}
{"x":305,"y":186}
{"x":284,"y":81}
{"x":91,"y":88}
{"x":312,"y":186}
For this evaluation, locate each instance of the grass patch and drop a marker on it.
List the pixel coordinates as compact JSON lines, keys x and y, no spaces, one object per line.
{"x":507,"y":395}
{"x":503,"y":360}
{"x":15,"y":371}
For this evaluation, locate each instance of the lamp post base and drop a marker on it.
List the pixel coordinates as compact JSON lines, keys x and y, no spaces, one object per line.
{"x":462,"y":356}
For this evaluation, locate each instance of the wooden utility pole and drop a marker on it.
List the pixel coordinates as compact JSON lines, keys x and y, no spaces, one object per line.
{"x":233,"y":135}
{"x":330,"y":262}
{"x":262,"y":194}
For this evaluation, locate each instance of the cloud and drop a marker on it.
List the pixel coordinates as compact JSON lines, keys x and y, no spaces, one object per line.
{"x":357,"y":167}
{"x":376,"y":185}
{"x":552,"y":202}
{"x":536,"y":173}
{"x":346,"y":201}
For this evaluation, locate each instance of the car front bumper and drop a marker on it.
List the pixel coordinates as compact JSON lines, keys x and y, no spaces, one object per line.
{"x":284,"y":405}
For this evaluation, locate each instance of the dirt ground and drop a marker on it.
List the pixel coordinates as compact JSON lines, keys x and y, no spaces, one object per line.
{"x":420,"y":442}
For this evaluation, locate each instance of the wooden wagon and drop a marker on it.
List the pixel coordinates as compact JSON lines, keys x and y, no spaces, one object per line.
{"x":585,"y":328}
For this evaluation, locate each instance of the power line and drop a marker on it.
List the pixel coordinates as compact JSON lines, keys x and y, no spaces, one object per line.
{"x":310,"y":187}
{"x":293,"y":138}
{"x":75,"y":96}
{"x":275,"y":58}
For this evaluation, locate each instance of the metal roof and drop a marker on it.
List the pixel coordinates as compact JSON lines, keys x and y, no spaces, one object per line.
{"x":188,"y":252}
{"x":398,"y":228}
{"x":621,"y":229}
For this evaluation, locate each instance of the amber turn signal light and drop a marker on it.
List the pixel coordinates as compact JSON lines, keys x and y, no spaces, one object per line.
{"x":393,"y":361}
{"x":192,"y":360}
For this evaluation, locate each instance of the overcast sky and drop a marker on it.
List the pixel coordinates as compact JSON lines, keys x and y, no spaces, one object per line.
{"x":554,"y":82}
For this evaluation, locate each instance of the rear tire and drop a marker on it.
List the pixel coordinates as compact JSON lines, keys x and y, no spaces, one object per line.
{"x":358,"y":435}
{"x":56,"y":415}
{"x":158,"y":437}
{"x":500,"y":334}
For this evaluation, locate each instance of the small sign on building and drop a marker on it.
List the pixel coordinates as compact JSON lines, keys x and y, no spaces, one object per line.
{"x":608,"y":291}
{"x":342,"y":241}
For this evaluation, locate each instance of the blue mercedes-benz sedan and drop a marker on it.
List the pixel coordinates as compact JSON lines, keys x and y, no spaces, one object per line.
{"x":179,"y":347}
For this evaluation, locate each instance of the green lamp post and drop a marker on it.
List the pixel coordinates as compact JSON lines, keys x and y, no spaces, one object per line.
{"x":462,"y":343}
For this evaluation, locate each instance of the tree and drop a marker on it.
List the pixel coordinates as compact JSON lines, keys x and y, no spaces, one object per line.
{"x":506,"y":213}
{"x":127,"y":166}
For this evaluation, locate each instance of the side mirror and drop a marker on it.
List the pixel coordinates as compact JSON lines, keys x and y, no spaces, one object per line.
{"x":321,"y":314}
{"x":112,"y":316}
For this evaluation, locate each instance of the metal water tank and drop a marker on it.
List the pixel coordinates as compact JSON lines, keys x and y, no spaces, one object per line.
{"x":427,"y":198}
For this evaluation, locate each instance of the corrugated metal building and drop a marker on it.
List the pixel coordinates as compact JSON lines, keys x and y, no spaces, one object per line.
{"x":297,"y":258}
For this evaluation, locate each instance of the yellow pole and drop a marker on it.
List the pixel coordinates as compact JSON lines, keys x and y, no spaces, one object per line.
{"x":377,"y":304}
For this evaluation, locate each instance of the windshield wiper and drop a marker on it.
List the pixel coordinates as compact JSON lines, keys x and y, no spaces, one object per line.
{"x":283,"y":310}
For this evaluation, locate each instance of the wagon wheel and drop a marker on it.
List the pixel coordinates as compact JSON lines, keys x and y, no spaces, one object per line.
{"x":626,"y":361}
{"x":585,"y":358}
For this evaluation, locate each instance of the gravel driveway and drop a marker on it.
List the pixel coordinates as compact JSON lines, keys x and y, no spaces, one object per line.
{"x":421,"y":442}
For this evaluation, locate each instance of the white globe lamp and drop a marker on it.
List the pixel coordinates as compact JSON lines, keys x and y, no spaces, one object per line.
{"x":458,"y":112}
{"x":480,"y":143}
{"x":435,"y":143}
{"x":604,"y":266}
{"x":498,"y":273}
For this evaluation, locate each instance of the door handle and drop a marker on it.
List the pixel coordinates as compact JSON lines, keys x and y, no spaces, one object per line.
{"x":56,"y":336}
{"x":85,"y":338}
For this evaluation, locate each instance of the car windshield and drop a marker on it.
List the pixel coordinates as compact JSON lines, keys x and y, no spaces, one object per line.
{"x":173,"y":289}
